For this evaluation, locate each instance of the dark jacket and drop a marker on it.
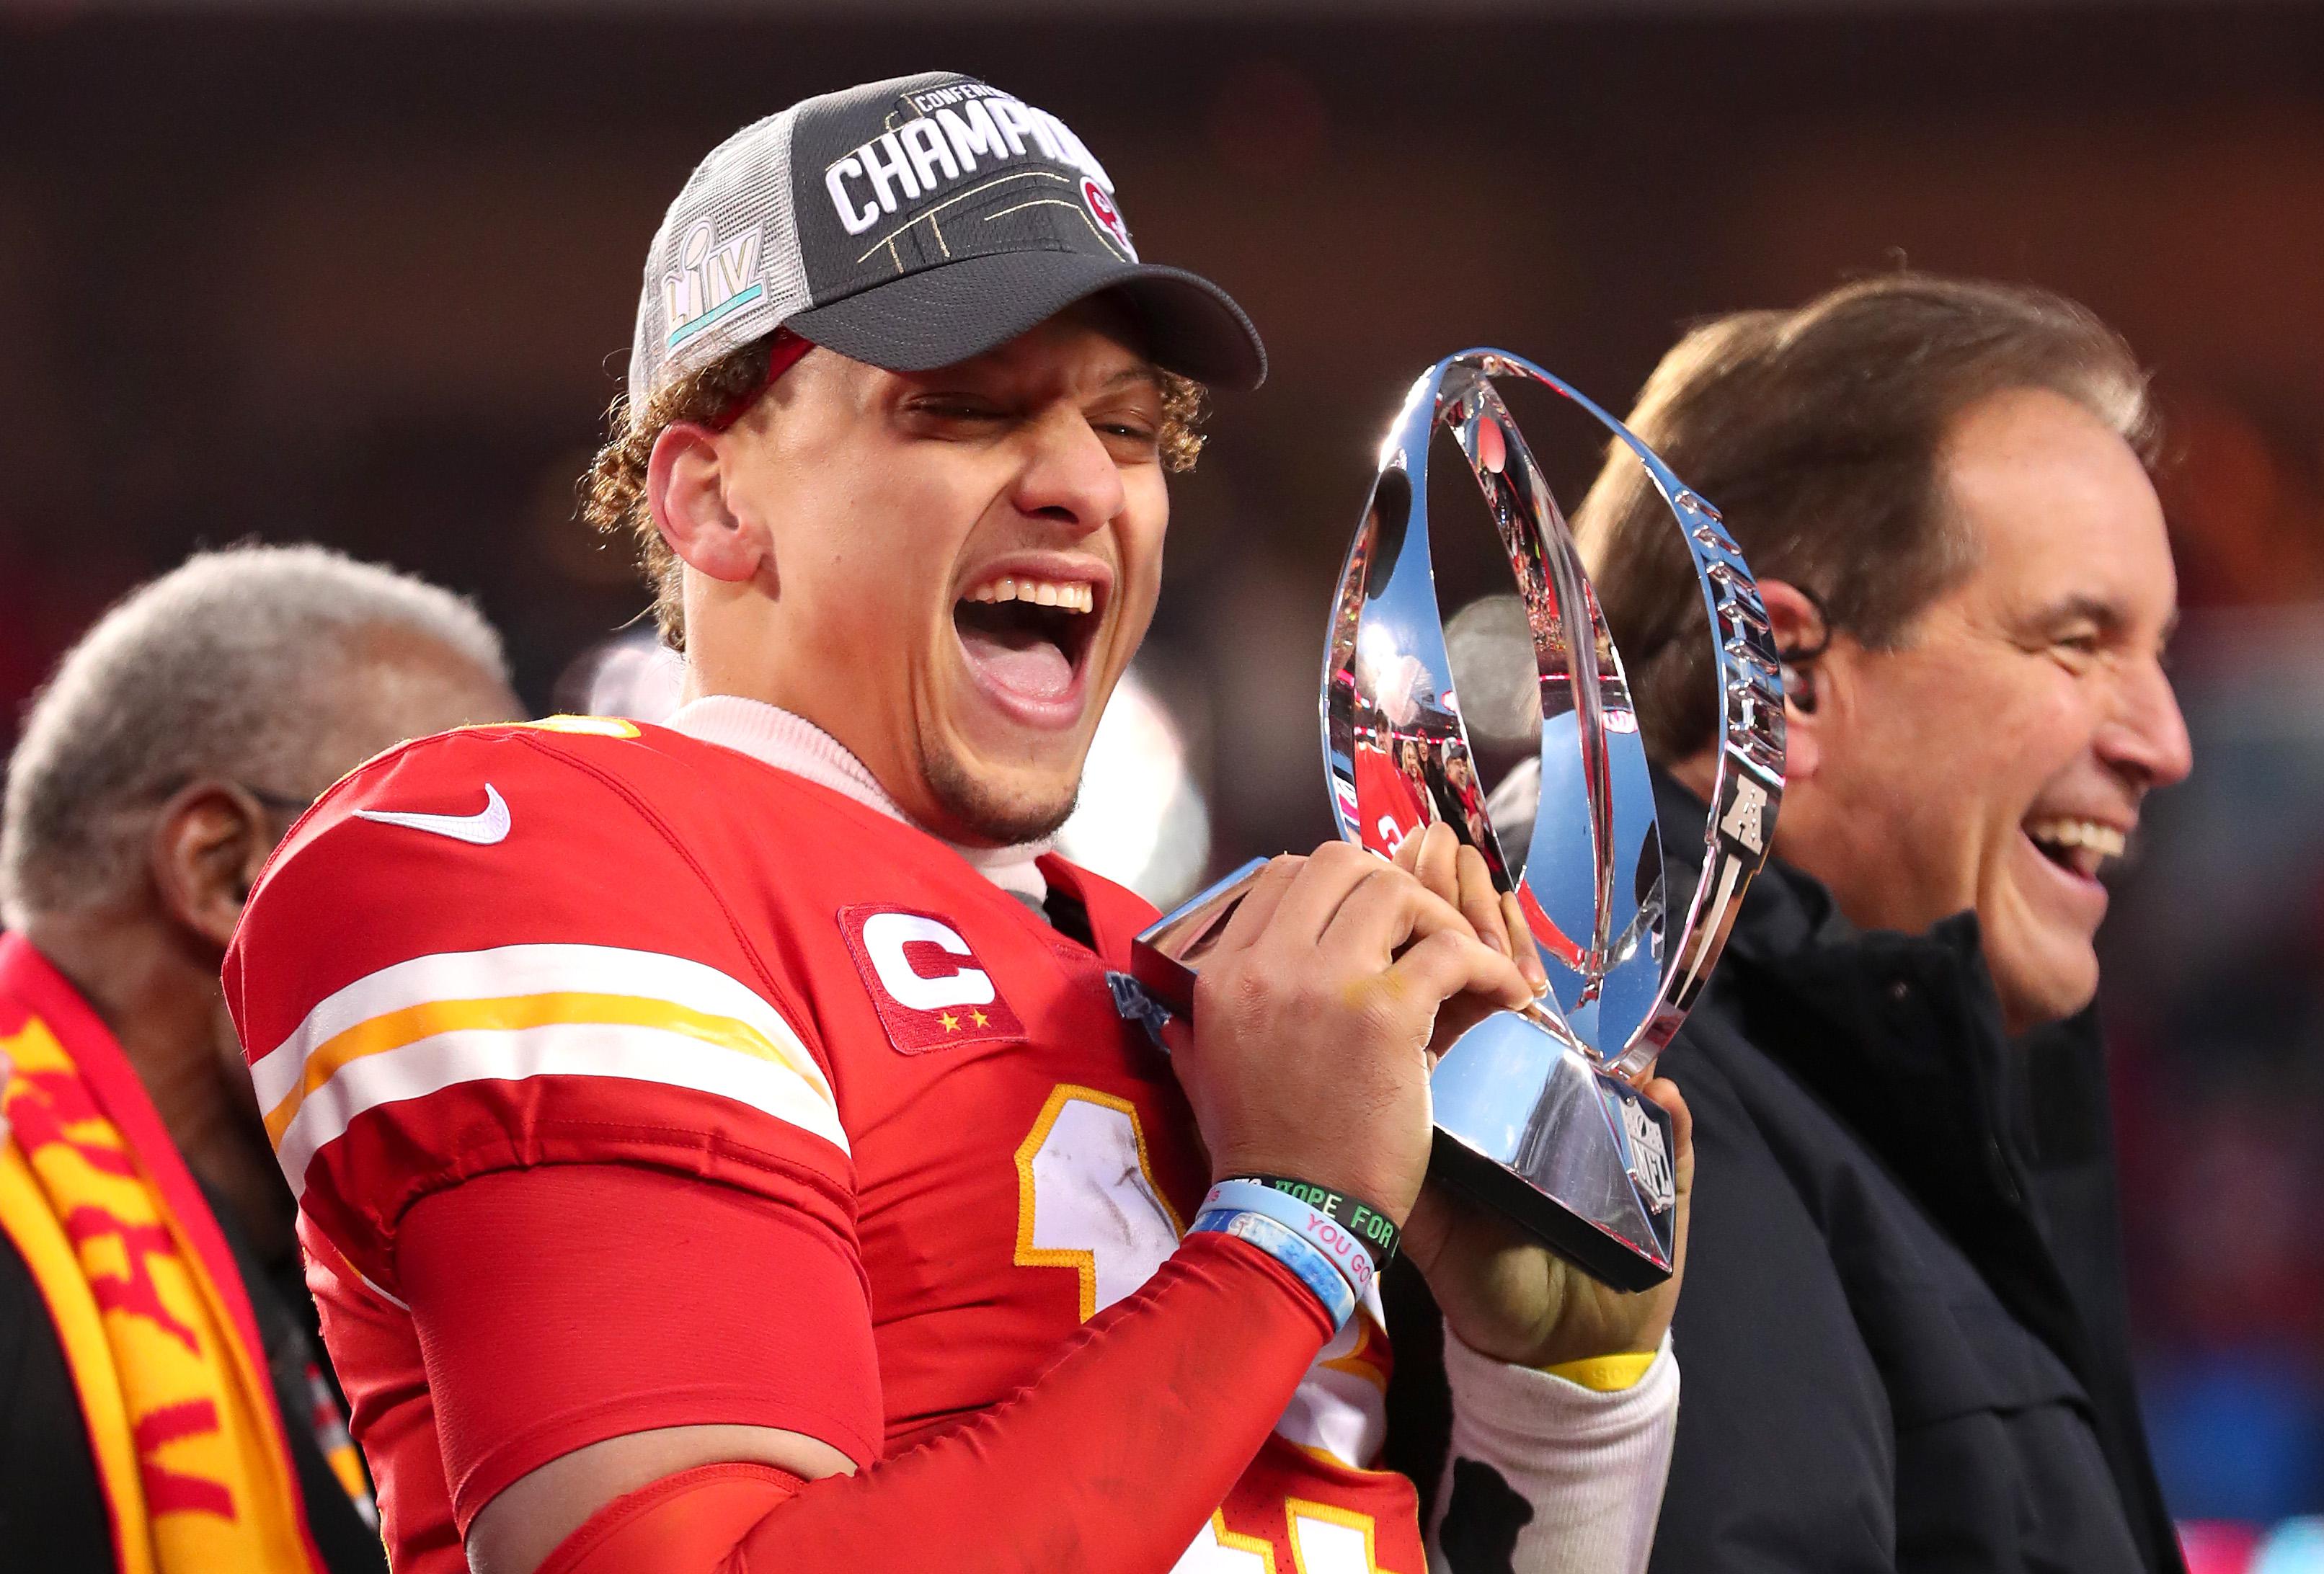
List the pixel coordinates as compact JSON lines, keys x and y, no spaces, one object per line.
{"x":1903,"y":1327}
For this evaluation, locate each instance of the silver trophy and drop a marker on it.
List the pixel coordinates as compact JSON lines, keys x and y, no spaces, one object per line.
{"x":1537,"y":1114}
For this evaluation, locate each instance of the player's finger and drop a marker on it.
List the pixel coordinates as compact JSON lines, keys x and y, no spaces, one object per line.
{"x":1383,"y":915}
{"x":1479,"y":902}
{"x":1450,"y":962}
{"x":1313,"y":900}
{"x":1406,"y":856}
{"x":1429,"y":855}
{"x":1250,"y":918}
{"x":1528,"y":954}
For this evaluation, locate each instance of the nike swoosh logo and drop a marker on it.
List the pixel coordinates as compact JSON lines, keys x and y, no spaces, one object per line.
{"x":482,"y":828}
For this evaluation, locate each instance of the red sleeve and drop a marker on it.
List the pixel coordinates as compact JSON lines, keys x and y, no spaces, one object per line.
{"x":482,"y":959}
{"x":559,"y":1307}
{"x":1108,"y":1464}
{"x":484,"y":952}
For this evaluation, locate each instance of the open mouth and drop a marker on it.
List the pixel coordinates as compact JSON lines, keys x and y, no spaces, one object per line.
{"x":1028,"y":639}
{"x":2079,"y":847}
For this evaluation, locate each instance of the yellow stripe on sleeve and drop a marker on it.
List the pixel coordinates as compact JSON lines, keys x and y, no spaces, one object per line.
{"x":394,"y":1029}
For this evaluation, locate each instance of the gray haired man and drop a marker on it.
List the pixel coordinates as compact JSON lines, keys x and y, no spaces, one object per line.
{"x":157,"y":771}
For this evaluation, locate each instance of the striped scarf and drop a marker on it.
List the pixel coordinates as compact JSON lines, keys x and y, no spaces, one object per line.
{"x":145,"y":1298}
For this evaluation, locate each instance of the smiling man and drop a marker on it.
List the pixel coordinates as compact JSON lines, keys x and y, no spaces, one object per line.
{"x":1904,"y":1327}
{"x":728,"y":1145}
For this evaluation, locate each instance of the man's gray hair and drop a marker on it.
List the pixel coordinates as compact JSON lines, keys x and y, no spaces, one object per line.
{"x":231,"y":666}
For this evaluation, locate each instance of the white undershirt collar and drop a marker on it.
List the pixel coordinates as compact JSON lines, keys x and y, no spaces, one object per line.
{"x":789,"y":741}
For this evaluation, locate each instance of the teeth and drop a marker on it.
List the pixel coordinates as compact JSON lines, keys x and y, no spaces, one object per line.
{"x":1073,"y":595}
{"x":2105,"y":840}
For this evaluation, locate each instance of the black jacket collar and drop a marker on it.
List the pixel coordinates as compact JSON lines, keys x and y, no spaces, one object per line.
{"x":2005,"y":1143}
{"x":1945,"y":1100}
{"x":1932,"y":1102}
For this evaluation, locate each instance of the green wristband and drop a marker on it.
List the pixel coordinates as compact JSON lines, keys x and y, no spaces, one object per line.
{"x":1372,"y":1229}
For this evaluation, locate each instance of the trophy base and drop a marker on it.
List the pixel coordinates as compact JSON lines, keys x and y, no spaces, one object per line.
{"x":1535,"y":1129}
{"x":1527,"y":1123}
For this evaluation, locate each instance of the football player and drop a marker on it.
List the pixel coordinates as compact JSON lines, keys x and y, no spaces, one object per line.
{"x":723,"y":1144}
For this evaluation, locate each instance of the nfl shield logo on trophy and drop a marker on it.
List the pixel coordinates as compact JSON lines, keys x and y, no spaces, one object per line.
{"x":1650,"y":1161}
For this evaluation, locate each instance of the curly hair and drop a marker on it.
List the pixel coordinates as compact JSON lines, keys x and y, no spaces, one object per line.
{"x":614,"y":492}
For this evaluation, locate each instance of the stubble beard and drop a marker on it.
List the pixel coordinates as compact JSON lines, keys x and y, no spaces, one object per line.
{"x":990,"y":815}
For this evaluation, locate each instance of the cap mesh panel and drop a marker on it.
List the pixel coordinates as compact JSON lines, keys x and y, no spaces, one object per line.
{"x":744,"y":184}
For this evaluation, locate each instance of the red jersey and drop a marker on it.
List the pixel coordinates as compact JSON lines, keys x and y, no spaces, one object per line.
{"x":582,"y":942}
{"x":1388,"y":804}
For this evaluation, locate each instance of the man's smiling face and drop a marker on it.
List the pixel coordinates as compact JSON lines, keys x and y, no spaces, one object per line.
{"x":1998,"y":758}
{"x":961,"y":563}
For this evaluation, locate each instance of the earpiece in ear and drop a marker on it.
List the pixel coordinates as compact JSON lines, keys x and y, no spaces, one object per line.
{"x":1799,"y":691}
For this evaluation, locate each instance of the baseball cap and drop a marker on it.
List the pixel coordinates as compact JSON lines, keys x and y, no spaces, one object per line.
{"x":910,"y":224}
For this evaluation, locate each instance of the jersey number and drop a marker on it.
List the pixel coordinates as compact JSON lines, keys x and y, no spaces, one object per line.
{"x":1324,"y":1539}
{"x":1086,"y":1200}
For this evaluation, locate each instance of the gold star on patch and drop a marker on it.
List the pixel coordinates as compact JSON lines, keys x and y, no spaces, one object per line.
{"x":951,"y":1022}
{"x":980,"y":1018}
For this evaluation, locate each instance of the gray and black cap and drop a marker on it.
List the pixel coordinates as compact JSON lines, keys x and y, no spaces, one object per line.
{"x":910,"y":224}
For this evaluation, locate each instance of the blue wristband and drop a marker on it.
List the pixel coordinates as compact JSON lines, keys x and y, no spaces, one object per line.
{"x":1312,"y":1267}
{"x":1349,"y":1257}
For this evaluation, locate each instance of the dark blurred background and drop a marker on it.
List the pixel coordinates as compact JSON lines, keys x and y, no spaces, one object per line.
{"x":367,"y":277}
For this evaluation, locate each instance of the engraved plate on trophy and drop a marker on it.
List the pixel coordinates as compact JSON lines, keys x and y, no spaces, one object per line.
{"x":1537,"y":1114}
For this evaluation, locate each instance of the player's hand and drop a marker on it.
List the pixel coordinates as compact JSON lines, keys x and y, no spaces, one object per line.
{"x":1451,"y":868}
{"x":1309,"y":1050}
{"x":1503,"y":1294}
{"x":1506,"y":1297}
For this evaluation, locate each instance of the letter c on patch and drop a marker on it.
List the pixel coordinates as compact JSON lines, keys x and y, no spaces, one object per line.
{"x":885,"y":936}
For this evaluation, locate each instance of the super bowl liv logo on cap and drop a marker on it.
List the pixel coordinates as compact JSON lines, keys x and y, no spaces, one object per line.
{"x":712,"y":281}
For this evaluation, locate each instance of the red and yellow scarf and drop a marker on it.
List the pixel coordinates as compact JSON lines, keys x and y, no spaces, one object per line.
{"x":146,"y":1300}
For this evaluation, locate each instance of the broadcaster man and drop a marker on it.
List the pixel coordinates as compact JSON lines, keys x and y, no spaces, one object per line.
{"x":1906,"y":1327}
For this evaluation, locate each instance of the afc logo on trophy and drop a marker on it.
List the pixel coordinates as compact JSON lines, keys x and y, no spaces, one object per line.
{"x":1746,"y":817}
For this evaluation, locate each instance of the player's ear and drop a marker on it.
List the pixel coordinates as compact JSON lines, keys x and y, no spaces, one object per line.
{"x":685,"y":486}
